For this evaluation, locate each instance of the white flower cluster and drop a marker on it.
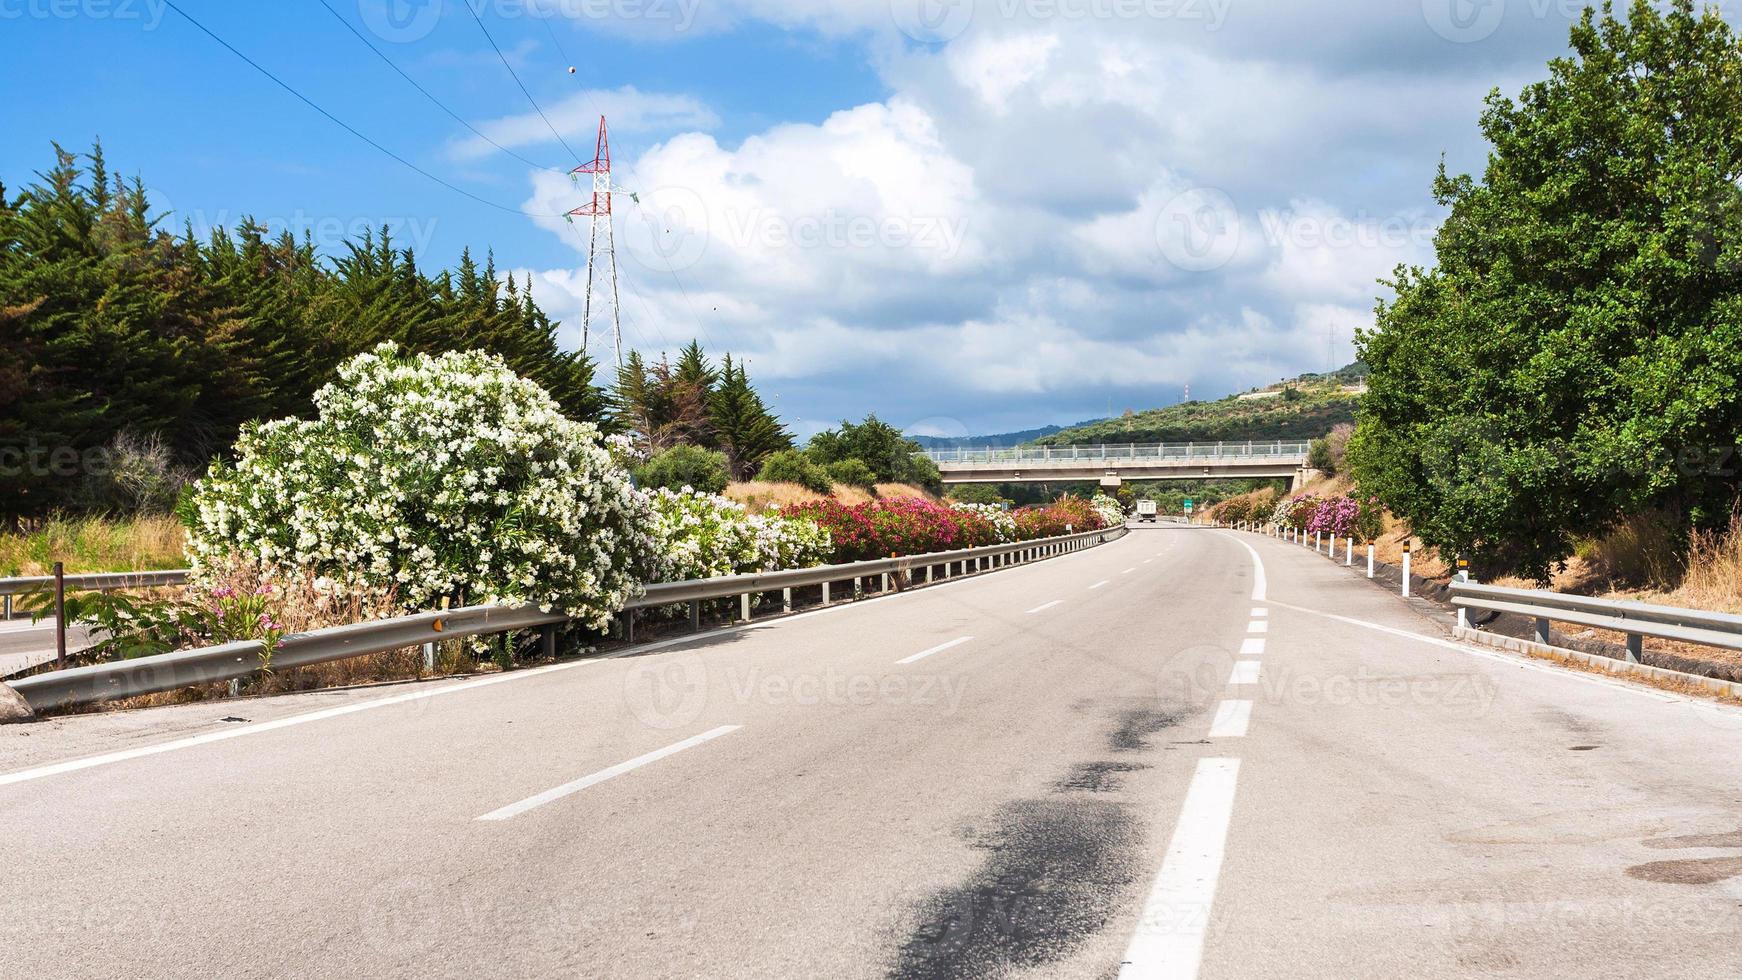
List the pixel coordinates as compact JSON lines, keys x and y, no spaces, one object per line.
{"x":702,"y":535}
{"x":431,"y":477}
{"x":1279,"y":513}
{"x":1111,"y":511}
{"x":1002,"y":520}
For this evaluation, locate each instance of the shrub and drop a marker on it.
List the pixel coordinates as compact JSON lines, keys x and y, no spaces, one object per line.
{"x":979,"y":493}
{"x":1063,"y":516}
{"x":792,"y":466}
{"x":1109,"y":510}
{"x":702,"y":535}
{"x":430,"y":477}
{"x":852,"y":472}
{"x":685,"y":466}
{"x":898,"y":526}
{"x":1003,"y":524}
{"x":138,"y":475}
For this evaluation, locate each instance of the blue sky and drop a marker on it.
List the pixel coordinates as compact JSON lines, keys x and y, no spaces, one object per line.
{"x":1004,"y":214}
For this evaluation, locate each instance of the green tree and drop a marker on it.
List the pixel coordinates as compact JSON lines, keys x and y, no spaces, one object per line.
{"x":1576,"y":354}
{"x":685,"y":466}
{"x":792,"y":466}
{"x":852,"y":472}
{"x":891,"y":456}
{"x":743,"y":427}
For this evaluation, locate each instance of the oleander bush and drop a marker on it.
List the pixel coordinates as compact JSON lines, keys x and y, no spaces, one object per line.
{"x":431,"y":477}
{"x":1003,"y":523}
{"x":1108,"y":509}
{"x":703,"y":535}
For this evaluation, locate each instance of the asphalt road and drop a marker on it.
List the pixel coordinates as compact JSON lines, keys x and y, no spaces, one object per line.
{"x":25,"y":644}
{"x":1186,"y":753}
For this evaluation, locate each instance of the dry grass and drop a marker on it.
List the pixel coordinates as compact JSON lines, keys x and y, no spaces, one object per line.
{"x":904,"y":490}
{"x":94,"y":544}
{"x":758,"y":497}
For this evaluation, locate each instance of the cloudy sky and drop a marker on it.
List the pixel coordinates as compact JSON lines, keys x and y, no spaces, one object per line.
{"x":965,"y":215}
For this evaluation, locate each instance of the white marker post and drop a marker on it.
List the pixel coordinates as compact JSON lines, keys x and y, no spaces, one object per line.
{"x":1405,"y":589}
{"x":1369,"y":561}
{"x":1463,"y":576}
{"x":1350,"y":561}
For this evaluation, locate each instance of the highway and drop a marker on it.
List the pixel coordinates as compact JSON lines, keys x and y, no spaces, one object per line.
{"x":25,"y":644}
{"x":1187,"y":753}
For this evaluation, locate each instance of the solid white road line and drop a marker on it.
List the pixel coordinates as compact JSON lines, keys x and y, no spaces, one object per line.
{"x":941,"y":647}
{"x":1516,"y":660}
{"x":1258,"y":626}
{"x":1169,"y":941}
{"x":1251,"y":645}
{"x":1147,"y":560}
{"x":549,"y":795}
{"x":1128,"y":571}
{"x":1259,"y":586}
{"x":1231,"y":719}
{"x":1245,"y":672}
{"x":1098,"y":584}
{"x":1046,"y":605}
{"x":1259,"y":612}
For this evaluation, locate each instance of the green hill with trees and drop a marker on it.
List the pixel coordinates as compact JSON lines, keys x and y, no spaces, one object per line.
{"x":1307,"y":407}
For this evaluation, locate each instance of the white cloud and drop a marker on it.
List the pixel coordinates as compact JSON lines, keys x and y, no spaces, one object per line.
{"x":576,"y":118}
{"x":1046,"y":215}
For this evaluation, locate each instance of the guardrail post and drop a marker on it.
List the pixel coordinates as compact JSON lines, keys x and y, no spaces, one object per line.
{"x":547,"y":641}
{"x":695,"y":615}
{"x":60,"y":616}
{"x":744,"y":606}
{"x":1635,"y":647}
{"x":1369,"y":561}
{"x":885,"y":586}
{"x":826,"y":587}
{"x":786,"y":600}
{"x":7,"y":600}
{"x":1463,"y":576}
{"x":1542,"y":631}
{"x":1405,"y":587}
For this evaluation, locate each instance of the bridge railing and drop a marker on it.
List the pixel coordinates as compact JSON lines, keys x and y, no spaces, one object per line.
{"x":1184,"y":451}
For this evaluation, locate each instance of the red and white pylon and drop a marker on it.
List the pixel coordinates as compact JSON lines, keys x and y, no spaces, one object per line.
{"x":600,"y":207}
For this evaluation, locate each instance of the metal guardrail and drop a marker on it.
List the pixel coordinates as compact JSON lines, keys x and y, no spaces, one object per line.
{"x":1635,"y":619}
{"x":1183,"y":451}
{"x":89,"y":582}
{"x":231,"y":661}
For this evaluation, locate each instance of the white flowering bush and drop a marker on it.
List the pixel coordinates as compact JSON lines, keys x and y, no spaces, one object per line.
{"x":1002,"y":521}
{"x":432,"y":476}
{"x":1111,"y":512}
{"x":702,"y":535}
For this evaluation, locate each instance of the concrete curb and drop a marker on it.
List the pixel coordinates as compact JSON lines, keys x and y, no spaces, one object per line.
{"x":1606,"y":664}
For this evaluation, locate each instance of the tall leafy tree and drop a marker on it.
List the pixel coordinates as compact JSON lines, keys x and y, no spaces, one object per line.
{"x":1576,"y":355}
{"x":111,"y":323}
{"x":743,"y":427}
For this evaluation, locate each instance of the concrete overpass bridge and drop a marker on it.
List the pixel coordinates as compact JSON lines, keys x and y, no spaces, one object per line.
{"x":1111,"y":465}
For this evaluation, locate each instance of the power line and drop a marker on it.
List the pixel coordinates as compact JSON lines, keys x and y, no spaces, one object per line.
{"x":516,"y":76}
{"x":426,"y":93}
{"x":347,"y":127}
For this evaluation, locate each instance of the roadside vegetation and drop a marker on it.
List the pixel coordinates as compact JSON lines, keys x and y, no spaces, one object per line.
{"x":1567,"y":374}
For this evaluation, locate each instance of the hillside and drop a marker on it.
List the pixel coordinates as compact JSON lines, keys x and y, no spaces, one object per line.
{"x":1304,"y":408}
{"x":996,"y":439}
